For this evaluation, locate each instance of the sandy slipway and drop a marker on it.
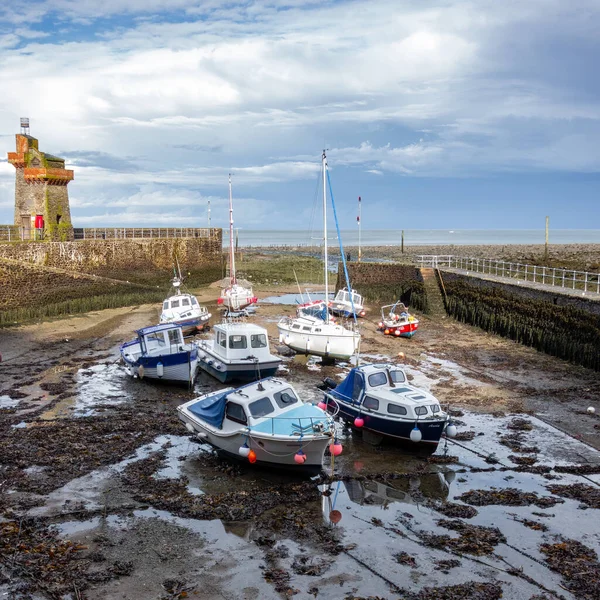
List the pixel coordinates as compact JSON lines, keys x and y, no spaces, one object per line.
{"x":103,"y":494}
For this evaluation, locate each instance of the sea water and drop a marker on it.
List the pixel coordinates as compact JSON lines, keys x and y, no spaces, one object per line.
{"x":415,"y":237}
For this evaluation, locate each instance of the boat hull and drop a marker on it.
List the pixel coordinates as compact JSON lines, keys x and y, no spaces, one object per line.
{"x":239,"y":372}
{"x":191,"y":325}
{"x":327,"y":346}
{"x":406,"y":330}
{"x":181,"y":367}
{"x":395,"y":431}
{"x":270,"y":451}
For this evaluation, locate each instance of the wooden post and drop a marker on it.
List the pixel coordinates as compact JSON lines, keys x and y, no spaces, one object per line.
{"x":546,"y":249}
{"x":402,"y":243}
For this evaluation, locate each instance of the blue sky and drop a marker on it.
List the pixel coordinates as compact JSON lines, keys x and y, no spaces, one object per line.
{"x":440,"y":114}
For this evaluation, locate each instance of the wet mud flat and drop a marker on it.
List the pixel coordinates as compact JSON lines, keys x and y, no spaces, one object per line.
{"x":104,"y":494}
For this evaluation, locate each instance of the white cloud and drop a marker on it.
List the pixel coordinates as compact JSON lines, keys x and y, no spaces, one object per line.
{"x":448,"y":88}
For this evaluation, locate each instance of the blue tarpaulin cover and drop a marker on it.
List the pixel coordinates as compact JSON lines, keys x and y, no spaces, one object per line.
{"x":319,"y":311}
{"x":211,"y":410}
{"x":344,"y":390}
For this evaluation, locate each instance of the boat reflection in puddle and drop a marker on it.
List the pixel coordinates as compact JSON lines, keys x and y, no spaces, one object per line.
{"x":408,"y":490}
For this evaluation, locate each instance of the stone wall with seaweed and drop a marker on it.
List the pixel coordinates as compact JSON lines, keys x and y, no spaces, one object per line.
{"x":557,"y":324}
{"x":31,"y":292}
{"x":147,"y":261}
{"x":384,"y":283}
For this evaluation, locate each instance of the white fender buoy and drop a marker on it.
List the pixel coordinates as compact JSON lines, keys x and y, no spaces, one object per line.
{"x":416,"y":435}
{"x":159,"y":369}
{"x":451,"y":430}
{"x":141,"y":371}
{"x":591,"y":410}
{"x":189,"y":427}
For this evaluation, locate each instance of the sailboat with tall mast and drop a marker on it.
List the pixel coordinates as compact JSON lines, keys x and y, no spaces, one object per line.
{"x":235,"y":296}
{"x":319,"y":335}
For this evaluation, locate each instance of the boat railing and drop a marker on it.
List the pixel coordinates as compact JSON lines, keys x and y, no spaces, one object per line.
{"x":304,"y":425}
{"x":583,"y":281}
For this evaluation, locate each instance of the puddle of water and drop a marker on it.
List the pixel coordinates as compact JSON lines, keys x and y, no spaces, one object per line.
{"x":8,"y":402}
{"x":20,"y":425}
{"x":100,"y":384}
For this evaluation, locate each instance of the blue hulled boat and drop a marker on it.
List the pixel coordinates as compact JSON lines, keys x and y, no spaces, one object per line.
{"x":160,"y":352}
{"x":379,"y":401}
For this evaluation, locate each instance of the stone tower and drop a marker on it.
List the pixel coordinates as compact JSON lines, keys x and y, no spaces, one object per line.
{"x":41,"y":196}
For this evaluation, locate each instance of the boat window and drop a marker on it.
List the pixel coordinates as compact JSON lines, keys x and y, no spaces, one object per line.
{"x":306,"y":329}
{"x":238,"y":342}
{"x":394,"y":409}
{"x":235,"y":412}
{"x":174,"y":336}
{"x":285,"y":398}
{"x":165,"y":305}
{"x":221,"y":339}
{"x":435,"y":408}
{"x":258,"y":340}
{"x":398,"y":376}
{"x":421,"y":410}
{"x":157,"y":337}
{"x":371,"y":403}
{"x":260,"y":408}
{"x":194,"y":302}
{"x":295,"y":326}
{"x":185,"y":302}
{"x":376,"y":379}
{"x":174,"y":303}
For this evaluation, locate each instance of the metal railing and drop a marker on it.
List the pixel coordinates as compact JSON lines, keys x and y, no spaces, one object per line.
{"x":12,"y":233}
{"x":122,"y":233}
{"x":564,"y":278}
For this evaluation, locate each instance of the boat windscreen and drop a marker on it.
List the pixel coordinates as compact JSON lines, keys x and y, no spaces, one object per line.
{"x":261,"y":407}
{"x":285,"y":398}
{"x":398,"y":376}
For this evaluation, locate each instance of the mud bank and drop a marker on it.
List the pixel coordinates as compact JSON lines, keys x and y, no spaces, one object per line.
{"x":103,"y":494}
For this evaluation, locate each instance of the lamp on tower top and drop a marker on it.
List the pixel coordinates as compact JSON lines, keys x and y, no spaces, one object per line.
{"x":25,"y":125}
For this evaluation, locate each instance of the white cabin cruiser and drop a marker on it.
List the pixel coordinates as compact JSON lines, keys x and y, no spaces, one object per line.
{"x":311,"y":335}
{"x":184,"y":309}
{"x":378,"y":400}
{"x":159,"y":352}
{"x":237,"y":351}
{"x":234,"y":297}
{"x":318,"y":335}
{"x":264,"y":422}
{"x":347,"y":304}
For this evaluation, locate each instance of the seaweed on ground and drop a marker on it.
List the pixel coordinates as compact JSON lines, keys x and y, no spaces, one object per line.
{"x":578,"y":491}
{"x":454,"y":510}
{"x":507,"y":497}
{"x":519,"y":424}
{"x":473,"y":590}
{"x":578,"y":565}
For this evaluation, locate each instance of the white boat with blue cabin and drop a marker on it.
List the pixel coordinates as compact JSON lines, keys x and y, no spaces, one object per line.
{"x":378,"y":400}
{"x":263,"y":422}
{"x":184,"y":309}
{"x":160,"y":352}
{"x":238,"y":351}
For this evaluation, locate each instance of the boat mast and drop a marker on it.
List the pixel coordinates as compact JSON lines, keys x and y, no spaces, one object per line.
{"x":358,"y":219}
{"x":231,"y":254}
{"x":324,"y":159}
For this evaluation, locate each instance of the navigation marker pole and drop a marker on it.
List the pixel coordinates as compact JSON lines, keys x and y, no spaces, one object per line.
{"x":358,"y":221}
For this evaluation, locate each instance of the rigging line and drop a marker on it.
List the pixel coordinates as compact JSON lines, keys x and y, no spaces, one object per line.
{"x":337,"y":227}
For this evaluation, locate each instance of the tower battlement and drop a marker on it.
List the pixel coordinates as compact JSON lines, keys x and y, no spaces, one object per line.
{"x":41,"y":197}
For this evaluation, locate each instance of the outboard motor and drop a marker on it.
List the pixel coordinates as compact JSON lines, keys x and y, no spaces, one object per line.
{"x":328,"y":384}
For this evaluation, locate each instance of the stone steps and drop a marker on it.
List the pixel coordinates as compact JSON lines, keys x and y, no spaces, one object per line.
{"x":435,"y":299}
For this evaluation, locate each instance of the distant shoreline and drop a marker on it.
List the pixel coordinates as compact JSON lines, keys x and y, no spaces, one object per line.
{"x":584,"y":257}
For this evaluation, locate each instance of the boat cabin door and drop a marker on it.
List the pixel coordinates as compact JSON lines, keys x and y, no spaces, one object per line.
{"x":358,"y":388}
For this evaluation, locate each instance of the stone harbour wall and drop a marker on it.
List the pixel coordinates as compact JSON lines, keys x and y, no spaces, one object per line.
{"x":385,"y":283}
{"x":130,"y":260}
